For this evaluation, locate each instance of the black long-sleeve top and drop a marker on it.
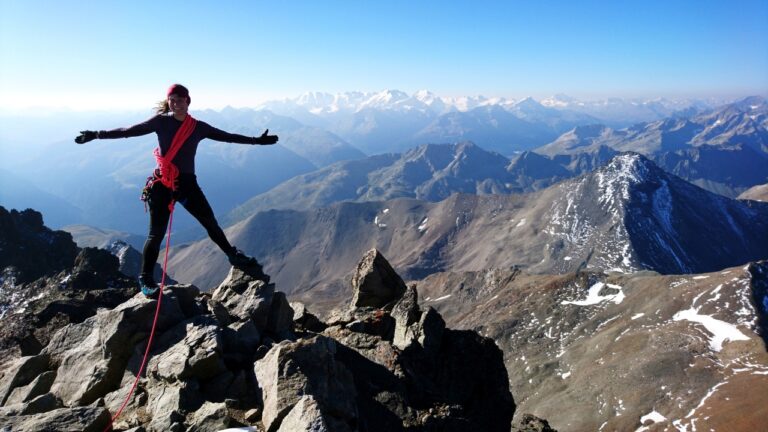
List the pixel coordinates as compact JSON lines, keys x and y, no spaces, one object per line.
{"x":165,"y":127}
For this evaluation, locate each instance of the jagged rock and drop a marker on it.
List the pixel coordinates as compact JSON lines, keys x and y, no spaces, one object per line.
{"x":375,"y":283}
{"x":91,"y":356}
{"x":168,"y":402}
{"x":406,"y":313}
{"x":292,"y":369}
{"x":531,"y":423}
{"x":42,"y":403}
{"x":77,"y":419}
{"x":40,"y":385}
{"x":304,"y":320}
{"x":32,"y":249}
{"x":209,"y":417}
{"x":414,"y":326}
{"x":470,"y":373}
{"x":430,"y":330}
{"x":280,"y":316}
{"x":305,"y":416}
{"x":252,"y":301}
{"x":241,"y":337}
{"x":20,"y":373}
{"x":193,"y":348}
{"x":239,"y":279}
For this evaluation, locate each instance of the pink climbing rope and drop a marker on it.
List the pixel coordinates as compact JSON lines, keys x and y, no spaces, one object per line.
{"x":154,"y":325}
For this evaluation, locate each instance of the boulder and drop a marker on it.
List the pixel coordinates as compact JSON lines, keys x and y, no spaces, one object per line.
{"x":193,"y":348}
{"x":306,"y":367}
{"x":40,"y":385}
{"x":375,"y":283}
{"x":209,"y":417}
{"x":406,"y":313}
{"x":305,"y":416}
{"x":280,"y":320}
{"x":304,"y":320}
{"x":92,"y":356}
{"x":77,"y":419}
{"x":241,"y":337}
{"x":167,"y":404}
{"x":254,"y":301}
{"x":21,"y":373}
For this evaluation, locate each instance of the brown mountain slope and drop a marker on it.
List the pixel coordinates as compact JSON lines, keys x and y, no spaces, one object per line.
{"x":590,"y":352}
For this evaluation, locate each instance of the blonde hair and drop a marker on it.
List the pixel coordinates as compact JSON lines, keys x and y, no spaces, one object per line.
{"x":163,"y":107}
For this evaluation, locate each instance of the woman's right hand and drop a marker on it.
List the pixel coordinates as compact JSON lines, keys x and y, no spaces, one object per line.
{"x":86,"y":136}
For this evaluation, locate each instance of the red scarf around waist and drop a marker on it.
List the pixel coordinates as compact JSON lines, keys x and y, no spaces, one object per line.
{"x":168,"y":171}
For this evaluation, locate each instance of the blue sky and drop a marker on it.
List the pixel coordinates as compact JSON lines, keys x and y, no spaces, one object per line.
{"x":124,"y":54}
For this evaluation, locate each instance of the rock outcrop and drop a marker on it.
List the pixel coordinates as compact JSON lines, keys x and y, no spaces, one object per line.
{"x":242,"y":355}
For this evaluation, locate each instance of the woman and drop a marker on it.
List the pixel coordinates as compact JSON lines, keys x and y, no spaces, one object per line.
{"x":174,"y":180}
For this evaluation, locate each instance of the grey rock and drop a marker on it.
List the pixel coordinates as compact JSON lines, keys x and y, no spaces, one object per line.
{"x":90,"y":368}
{"x":280,"y":320}
{"x":192,"y":348}
{"x":168,"y":402}
{"x":305,"y":416}
{"x":40,"y":385}
{"x":209,"y":417}
{"x":77,"y":419}
{"x":241,"y":337}
{"x":406,"y":313}
{"x":304,"y":320}
{"x":238,"y":279}
{"x":254,"y":301}
{"x":375,"y":282}
{"x":20,"y":373}
{"x":430,"y":331}
{"x":309,"y":366}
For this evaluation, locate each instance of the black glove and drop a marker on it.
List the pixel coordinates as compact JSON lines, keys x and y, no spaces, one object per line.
{"x":265,"y":139}
{"x":86,"y":136}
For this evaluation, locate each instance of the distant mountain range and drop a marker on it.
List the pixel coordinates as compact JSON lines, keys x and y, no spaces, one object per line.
{"x":392,"y":121}
{"x":724,"y":151}
{"x":626,"y":216}
{"x":97,"y":184}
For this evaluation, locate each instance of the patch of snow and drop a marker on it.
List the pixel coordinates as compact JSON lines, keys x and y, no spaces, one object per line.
{"x":423,"y":225}
{"x":720,"y":330}
{"x":442,"y":298}
{"x":594,"y":297}
{"x":700,"y":277}
{"x":567,"y":258}
{"x":653,"y":416}
{"x":636,"y":316}
{"x":521,"y":223}
{"x":385,"y":211}
{"x":565,"y":375}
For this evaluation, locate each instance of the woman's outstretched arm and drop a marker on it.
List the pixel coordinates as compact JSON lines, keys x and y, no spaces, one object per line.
{"x":140,"y":129}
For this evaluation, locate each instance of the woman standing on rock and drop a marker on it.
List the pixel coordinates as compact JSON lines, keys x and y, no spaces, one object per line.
{"x":174,"y":178}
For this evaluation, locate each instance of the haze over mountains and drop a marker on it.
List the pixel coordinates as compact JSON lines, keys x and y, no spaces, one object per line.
{"x":626,"y":216}
{"x":97,"y":184}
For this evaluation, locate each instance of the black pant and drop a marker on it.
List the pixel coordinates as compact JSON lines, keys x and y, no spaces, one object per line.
{"x":188,"y":194}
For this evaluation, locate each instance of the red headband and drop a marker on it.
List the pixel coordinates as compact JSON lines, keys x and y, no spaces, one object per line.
{"x":179,"y":90}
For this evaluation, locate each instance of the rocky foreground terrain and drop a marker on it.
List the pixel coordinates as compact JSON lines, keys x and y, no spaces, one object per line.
{"x":241,"y":356}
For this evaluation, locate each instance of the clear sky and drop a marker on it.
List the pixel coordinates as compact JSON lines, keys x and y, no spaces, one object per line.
{"x":124,"y":54}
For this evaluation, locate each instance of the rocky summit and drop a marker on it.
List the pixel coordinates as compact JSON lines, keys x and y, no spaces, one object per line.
{"x":243,"y":357}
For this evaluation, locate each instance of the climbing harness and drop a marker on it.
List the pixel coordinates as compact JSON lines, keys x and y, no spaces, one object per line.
{"x":167,"y":172}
